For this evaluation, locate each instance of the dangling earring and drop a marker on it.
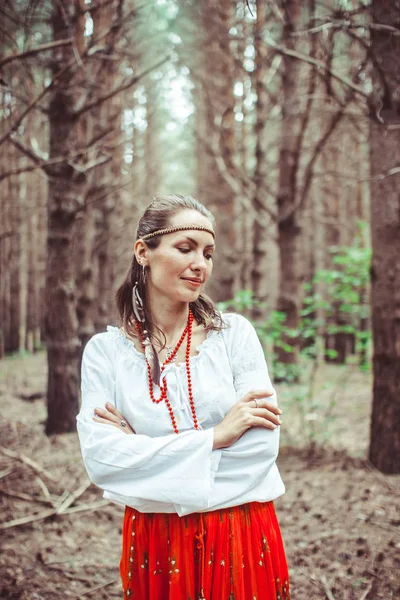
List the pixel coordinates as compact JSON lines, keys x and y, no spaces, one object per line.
{"x":144,"y":274}
{"x":149,"y":350}
{"x":137,"y":304}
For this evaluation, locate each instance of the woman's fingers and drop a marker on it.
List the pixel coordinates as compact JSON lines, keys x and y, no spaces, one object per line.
{"x":262,"y":422}
{"x":113,"y":410}
{"x":112,"y":416}
{"x":259,"y":399}
{"x":268,"y":415}
{"x":105,"y":421}
{"x":107,"y":415}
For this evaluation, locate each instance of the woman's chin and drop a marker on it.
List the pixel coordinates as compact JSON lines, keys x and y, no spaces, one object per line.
{"x":189,"y":296}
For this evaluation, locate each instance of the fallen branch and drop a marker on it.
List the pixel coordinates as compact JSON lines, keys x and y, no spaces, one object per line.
{"x":366,"y":591}
{"x":53,"y":512}
{"x":27,"y":497}
{"x":379,"y":475}
{"x":95,"y":589}
{"x":6,"y":472}
{"x":32,"y":397}
{"x":27,"y":519}
{"x":84,"y":507}
{"x":70,"y":498}
{"x":45,"y":490}
{"x":69,"y":575}
{"x":327,"y":589}
{"x":27,"y":461}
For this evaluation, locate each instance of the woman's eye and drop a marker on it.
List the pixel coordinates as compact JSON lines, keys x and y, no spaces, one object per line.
{"x":187,"y":250}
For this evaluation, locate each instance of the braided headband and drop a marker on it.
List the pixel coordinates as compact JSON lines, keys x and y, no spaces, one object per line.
{"x":178,"y":228}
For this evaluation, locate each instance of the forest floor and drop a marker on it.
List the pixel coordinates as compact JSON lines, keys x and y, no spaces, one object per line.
{"x":340,"y":517}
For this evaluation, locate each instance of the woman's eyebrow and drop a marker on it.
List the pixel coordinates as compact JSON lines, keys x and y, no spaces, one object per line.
{"x":196,"y":243}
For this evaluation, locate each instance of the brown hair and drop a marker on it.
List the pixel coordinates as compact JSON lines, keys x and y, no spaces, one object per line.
{"x":158,"y":215}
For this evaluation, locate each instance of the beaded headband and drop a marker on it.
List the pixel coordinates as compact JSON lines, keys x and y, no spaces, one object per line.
{"x":178,"y":228}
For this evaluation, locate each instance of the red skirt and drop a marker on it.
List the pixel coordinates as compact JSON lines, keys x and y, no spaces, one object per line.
{"x":230,"y":554}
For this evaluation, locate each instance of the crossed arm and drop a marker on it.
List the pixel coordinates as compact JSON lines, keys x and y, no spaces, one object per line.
{"x":252,"y":410}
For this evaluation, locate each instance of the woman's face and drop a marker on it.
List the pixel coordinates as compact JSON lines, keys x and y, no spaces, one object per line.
{"x":181,"y":265}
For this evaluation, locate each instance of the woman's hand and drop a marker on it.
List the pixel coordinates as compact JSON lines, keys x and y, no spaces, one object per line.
{"x":111,"y":416}
{"x":253,"y":410}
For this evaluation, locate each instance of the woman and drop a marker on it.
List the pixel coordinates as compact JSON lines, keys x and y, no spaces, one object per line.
{"x":179,"y":423}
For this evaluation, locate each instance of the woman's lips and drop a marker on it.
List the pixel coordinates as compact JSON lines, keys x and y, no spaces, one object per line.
{"x":193,"y":282}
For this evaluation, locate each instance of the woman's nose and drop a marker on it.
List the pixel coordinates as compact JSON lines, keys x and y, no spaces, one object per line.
{"x":200,"y":262}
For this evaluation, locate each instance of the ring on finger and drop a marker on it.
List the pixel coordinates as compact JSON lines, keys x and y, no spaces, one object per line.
{"x":123,"y":423}
{"x":256,"y":402}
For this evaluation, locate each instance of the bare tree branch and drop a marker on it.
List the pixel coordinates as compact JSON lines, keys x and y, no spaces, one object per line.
{"x":24,"y":100}
{"x":92,"y":164}
{"x":33,"y":51}
{"x":6,"y":234}
{"x":306,"y":115}
{"x":94,"y":6}
{"x":380,"y":176}
{"x":248,"y":6}
{"x":345,"y":25}
{"x":309,"y":171}
{"x":241,"y":185}
{"x":89,"y":52}
{"x":29,"y":152}
{"x":317,"y":151}
{"x":41,"y":164}
{"x":317,"y":63}
{"x":42,"y":161}
{"x":121,"y":88}
{"x":32,"y":105}
{"x":110,"y":190}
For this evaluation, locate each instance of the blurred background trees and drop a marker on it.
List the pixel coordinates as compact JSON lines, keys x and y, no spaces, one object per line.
{"x":281,"y":116}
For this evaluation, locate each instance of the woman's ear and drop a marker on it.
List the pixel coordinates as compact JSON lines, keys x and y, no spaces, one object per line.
{"x":141,"y":251}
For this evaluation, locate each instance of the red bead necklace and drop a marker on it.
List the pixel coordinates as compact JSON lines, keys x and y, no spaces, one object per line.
{"x":163,"y":384}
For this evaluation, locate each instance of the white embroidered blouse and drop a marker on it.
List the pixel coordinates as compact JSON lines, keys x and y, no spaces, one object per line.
{"x":157,"y":470}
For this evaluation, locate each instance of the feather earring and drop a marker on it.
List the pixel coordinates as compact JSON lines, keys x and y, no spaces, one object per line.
{"x":149,"y":351}
{"x":137,"y":304}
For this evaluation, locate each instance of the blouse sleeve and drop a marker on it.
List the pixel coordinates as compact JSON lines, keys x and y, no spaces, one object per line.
{"x":251,"y":461}
{"x":247,"y":359}
{"x":172,"y":469}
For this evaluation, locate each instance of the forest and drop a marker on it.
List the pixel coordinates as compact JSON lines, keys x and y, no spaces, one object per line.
{"x":283,"y":118}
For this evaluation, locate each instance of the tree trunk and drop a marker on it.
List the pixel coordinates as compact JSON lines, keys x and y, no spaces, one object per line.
{"x":215,"y":122}
{"x":17,"y":263}
{"x":108,"y":174}
{"x":153,"y":165}
{"x":33,"y":298}
{"x":7,"y":231}
{"x":66,"y":197}
{"x":90,"y":221}
{"x":289,"y":228}
{"x":265,"y":256}
{"x":243,"y":141}
{"x":86,"y":271}
{"x":384,"y":451}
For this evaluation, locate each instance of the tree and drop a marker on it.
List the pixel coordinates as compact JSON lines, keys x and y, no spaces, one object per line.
{"x":265,"y":257}
{"x":214,"y":80}
{"x":289,"y":228}
{"x":384,"y":451}
{"x":66,"y":197}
